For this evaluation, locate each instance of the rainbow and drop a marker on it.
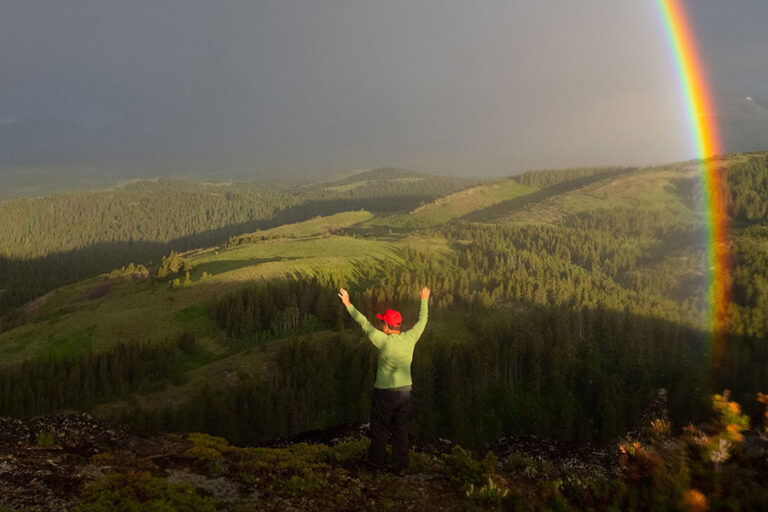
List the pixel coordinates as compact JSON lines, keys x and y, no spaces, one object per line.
{"x":706,"y":143}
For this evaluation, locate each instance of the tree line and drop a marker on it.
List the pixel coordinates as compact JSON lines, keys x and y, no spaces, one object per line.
{"x":745,"y":187}
{"x":549,"y":178}
{"x":567,"y":374}
{"x":43,"y":386}
{"x":278,"y":308}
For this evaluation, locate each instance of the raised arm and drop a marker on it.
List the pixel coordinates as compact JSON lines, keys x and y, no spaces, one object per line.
{"x":421,"y":323}
{"x":376,"y":336}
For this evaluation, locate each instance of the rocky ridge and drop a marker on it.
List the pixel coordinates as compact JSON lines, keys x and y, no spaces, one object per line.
{"x":49,"y":462}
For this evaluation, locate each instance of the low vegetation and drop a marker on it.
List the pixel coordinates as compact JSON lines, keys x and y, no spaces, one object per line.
{"x":718,"y":465}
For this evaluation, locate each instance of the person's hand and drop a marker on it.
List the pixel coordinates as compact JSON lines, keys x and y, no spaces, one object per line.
{"x":344,"y":296}
{"x":424,"y":293}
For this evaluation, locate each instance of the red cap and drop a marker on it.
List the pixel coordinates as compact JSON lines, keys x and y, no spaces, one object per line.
{"x":391,"y":316}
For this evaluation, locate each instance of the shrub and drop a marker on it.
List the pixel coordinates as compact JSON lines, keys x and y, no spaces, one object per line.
{"x":730,"y":418}
{"x":137,"y":491}
{"x":421,"y":462}
{"x":519,"y":463}
{"x":694,"y":501}
{"x":640,"y":462}
{"x":300,"y":485}
{"x":491,"y":493}
{"x":210,"y":451}
{"x":660,"y":429}
{"x":46,"y":439}
{"x":207,"y":447}
{"x":351,"y":452}
{"x":730,"y":424}
{"x":274,"y":465}
{"x":489,"y":463}
{"x":462,"y":469}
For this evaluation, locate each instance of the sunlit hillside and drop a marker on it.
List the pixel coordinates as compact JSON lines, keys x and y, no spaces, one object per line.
{"x":563,"y":275}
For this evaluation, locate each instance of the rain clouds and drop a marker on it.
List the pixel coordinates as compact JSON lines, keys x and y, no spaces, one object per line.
{"x":307,"y":87}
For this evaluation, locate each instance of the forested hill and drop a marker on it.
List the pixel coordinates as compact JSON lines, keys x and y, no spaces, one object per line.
{"x":561,"y":303}
{"x":163,"y":210}
{"x":49,"y":241}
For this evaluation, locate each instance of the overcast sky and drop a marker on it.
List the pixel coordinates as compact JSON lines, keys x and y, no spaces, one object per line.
{"x":457,"y":87}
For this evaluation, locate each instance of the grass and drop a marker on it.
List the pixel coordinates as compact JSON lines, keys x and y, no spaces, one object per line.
{"x":412,"y":179}
{"x":348,"y":186}
{"x":430,"y":244}
{"x":315,"y":226}
{"x":193,"y":318}
{"x":455,"y":205}
{"x":222,"y":266}
{"x":45,"y":440}
{"x":275,"y":258}
{"x":648,"y":189}
{"x":74,"y":343}
{"x":143,"y":310}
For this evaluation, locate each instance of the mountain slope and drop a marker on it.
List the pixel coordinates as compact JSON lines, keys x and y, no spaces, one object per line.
{"x":608,"y":274}
{"x":50,"y":241}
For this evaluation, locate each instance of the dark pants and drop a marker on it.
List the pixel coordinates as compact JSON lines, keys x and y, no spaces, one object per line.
{"x":389,"y":413}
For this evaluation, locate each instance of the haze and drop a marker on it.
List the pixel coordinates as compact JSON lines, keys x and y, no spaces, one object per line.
{"x":307,"y":87}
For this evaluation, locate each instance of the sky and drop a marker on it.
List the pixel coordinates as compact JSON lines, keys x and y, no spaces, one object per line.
{"x":302,"y":87}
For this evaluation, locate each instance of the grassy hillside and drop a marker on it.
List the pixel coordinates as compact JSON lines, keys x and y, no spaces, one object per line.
{"x":387,"y":181}
{"x":604,"y":268}
{"x":50,"y":241}
{"x":94,"y":313}
{"x":664,"y":188}
{"x":103,"y":310}
{"x":316,"y":226}
{"x":456,"y":205}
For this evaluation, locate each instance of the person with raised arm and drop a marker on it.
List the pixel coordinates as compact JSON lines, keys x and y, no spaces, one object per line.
{"x":392,"y":389}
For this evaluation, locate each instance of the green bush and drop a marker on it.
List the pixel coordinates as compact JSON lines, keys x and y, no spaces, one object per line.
{"x":138,"y":491}
{"x":275,"y":465}
{"x":46,"y":439}
{"x":462,"y":469}
{"x":490,"y":463}
{"x":207,"y":447}
{"x":349,"y":453}
{"x":421,"y":462}
{"x":518,"y":463}
{"x":300,"y":485}
{"x":491,"y":493}
{"x":209,"y":450}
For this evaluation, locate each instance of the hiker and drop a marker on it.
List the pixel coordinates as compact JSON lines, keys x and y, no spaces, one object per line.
{"x":392,"y":389}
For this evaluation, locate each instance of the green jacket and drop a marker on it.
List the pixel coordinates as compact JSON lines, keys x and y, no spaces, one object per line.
{"x":395,"y":350}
